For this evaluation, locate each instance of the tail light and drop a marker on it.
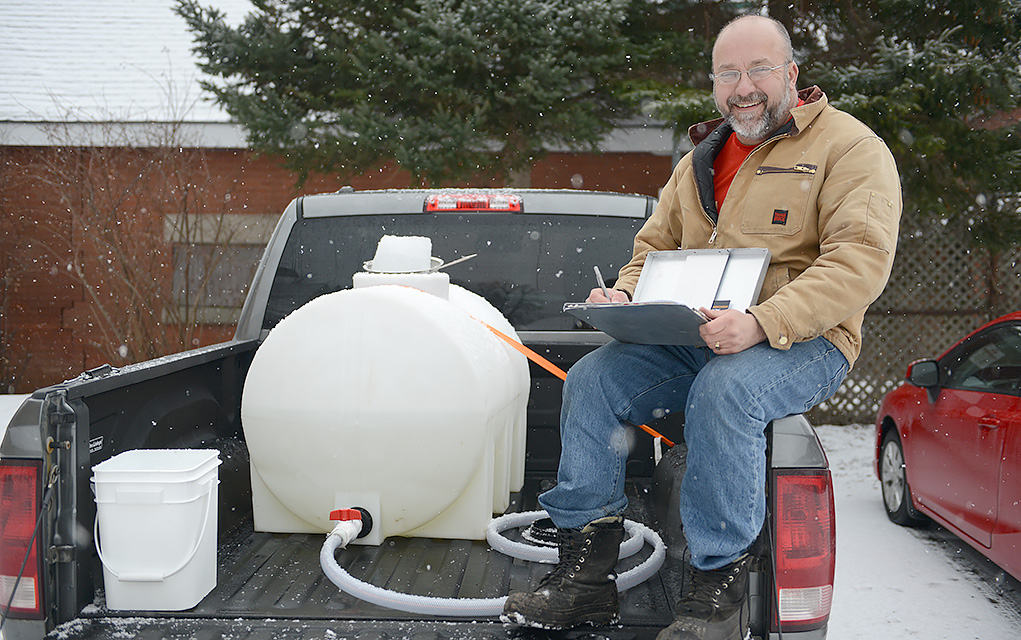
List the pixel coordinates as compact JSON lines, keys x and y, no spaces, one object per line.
{"x":20,"y":498}
{"x":805,"y":549}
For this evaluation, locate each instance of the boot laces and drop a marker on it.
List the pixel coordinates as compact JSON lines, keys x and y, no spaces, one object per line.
{"x":707,"y":586}
{"x":572,"y":555}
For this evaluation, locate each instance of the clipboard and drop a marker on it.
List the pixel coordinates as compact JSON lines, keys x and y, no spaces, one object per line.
{"x":672,"y":287}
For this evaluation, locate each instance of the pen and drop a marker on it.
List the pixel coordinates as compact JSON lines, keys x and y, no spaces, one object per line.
{"x":602,"y":283}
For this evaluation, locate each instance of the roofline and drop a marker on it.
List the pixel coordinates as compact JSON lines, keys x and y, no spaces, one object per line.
{"x":205,"y":135}
{"x":639,"y":136}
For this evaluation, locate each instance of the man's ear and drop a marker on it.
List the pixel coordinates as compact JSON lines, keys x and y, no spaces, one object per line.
{"x":792,"y":75}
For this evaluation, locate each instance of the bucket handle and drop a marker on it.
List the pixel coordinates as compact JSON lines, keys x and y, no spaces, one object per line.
{"x":152,"y":577}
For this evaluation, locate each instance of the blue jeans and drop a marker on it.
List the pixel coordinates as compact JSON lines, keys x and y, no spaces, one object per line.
{"x":727,"y":400}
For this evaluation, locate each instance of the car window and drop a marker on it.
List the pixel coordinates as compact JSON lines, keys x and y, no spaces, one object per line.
{"x":989,"y":361}
{"x":527,"y":266}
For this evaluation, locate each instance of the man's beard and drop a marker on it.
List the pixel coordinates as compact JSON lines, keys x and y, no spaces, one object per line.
{"x":772,"y":116}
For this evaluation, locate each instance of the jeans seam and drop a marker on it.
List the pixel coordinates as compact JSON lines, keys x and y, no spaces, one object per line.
{"x":631,"y":403}
{"x":830,"y":388}
{"x":790,"y":372}
{"x":618,"y":471}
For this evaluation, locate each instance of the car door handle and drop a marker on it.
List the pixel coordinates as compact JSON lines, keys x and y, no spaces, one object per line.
{"x":989,"y":422}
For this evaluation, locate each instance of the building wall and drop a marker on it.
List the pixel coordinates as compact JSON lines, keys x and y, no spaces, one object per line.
{"x":88,"y":239}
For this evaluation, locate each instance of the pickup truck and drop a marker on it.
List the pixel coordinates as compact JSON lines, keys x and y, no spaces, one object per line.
{"x":531,"y":260}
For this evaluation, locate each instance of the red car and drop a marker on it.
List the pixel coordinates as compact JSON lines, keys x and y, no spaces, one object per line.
{"x":948,"y":442}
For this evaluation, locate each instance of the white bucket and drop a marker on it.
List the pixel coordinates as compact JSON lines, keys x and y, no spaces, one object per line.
{"x":156,"y":527}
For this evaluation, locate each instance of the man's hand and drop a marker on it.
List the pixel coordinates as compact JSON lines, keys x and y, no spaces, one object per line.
{"x":730,"y":330}
{"x":616,"y":295}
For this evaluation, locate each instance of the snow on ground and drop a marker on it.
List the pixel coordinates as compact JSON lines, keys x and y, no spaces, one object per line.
{"x":8,"y":405}
{"x":895,"y":583}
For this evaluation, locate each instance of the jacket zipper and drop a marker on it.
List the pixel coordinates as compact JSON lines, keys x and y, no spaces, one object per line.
{"x":798,"y":168}
{"x":698,"y":194}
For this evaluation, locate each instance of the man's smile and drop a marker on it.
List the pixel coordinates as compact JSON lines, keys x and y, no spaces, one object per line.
{"x":746,"y":103}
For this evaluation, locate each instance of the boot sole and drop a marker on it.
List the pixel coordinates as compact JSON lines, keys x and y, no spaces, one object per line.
{"x":520,"y":620}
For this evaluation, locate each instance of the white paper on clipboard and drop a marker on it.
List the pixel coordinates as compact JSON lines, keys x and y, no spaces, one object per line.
{"x":692,"y":281}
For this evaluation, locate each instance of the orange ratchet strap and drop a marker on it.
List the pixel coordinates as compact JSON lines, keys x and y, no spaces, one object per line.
{"x":558,"y":372}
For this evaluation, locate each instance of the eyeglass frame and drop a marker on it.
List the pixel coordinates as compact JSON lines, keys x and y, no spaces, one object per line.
{"x":714,"y":77}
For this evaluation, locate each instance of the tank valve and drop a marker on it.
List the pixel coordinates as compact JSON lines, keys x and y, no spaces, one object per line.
{"x":355,"y":513}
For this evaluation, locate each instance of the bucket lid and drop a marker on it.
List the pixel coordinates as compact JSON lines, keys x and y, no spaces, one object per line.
{"x":156,"y":464}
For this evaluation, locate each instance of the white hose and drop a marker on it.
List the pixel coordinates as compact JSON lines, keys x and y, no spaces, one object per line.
{"x":549,"y":555}
{"x":479,"y":607}
{"x":459,"y":607}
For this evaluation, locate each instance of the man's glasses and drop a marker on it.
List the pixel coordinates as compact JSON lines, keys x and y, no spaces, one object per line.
{"x":755,"y":74}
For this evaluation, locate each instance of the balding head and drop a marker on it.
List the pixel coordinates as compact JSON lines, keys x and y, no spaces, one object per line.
{"x":760,"y":25}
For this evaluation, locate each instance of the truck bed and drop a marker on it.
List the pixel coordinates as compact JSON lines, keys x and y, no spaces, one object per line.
{"x":271,"y":586}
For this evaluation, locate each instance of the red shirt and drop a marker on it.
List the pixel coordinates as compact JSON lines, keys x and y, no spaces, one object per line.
{"x":727,"y":163}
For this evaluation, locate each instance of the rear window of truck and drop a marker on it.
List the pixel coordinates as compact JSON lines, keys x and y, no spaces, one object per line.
{"x":527,"y":266}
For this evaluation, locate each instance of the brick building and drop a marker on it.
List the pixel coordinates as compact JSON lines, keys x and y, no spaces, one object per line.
{"x":132,"y":213}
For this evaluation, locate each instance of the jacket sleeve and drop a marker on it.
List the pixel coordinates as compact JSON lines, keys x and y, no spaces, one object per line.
{"x":859,"y":213}
{"x":661,"y":232}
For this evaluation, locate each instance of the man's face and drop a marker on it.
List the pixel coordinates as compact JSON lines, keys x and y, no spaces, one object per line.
{"x":754,"y":108}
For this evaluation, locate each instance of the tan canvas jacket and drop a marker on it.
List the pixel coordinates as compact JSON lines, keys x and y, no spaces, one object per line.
{"x":822,"y":194}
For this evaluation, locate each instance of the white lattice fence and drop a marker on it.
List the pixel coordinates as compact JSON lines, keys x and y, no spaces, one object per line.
{"x":940,"y":289}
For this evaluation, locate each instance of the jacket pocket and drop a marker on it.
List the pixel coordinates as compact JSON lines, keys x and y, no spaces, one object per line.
{"x":800,"y":169}
{"x":778,"y":202}
{"x":882,"y":221}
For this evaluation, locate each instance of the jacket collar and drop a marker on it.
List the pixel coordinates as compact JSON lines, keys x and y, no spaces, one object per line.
{"x":813,"y":97}
{"x":709,"y":137}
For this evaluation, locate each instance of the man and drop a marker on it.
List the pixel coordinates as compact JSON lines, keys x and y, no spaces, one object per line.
{"x":781,"y":170}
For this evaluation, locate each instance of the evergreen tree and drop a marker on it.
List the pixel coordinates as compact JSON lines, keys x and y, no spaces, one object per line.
{"x":669,"y":48}
{"x":933,"y":84}
{"x":451,"y":90}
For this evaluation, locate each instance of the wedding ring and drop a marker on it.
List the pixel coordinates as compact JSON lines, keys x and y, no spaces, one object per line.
{"x":716,"y":346}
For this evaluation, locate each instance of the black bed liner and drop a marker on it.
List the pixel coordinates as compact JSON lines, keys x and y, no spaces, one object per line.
{"x":271,"y":586}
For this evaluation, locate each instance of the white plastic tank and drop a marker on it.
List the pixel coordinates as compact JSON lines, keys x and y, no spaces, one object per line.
{"x":513,"y":476}
{"x":390,"y":399}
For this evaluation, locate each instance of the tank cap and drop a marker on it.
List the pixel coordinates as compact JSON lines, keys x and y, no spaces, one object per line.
{"x":345,"y":514}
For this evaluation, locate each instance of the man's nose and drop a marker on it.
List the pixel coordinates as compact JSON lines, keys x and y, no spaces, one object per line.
{"x":745,"y":85}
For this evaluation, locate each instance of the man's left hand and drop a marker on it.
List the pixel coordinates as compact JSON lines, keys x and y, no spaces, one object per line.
{"x":730,"y":330}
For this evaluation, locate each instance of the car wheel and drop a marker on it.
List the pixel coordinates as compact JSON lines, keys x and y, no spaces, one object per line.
{"x":894,"y":483}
